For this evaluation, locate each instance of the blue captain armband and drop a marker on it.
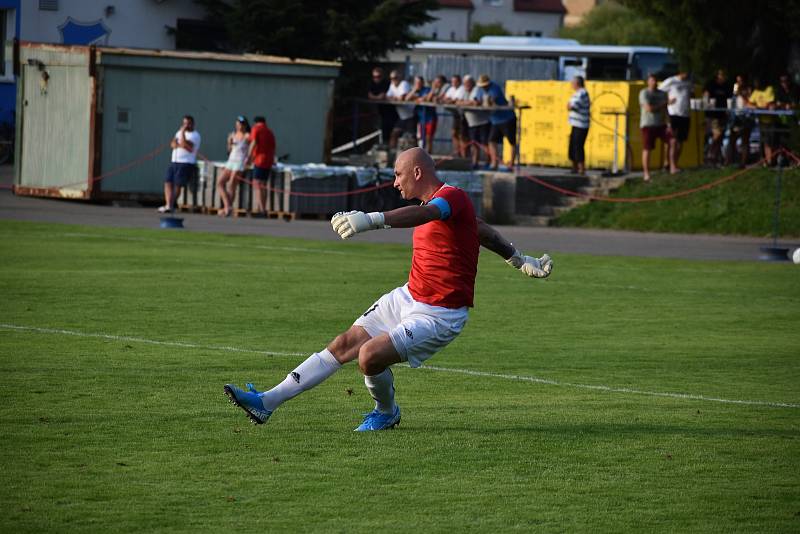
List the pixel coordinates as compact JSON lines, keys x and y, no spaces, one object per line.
{"x":443,"y":205}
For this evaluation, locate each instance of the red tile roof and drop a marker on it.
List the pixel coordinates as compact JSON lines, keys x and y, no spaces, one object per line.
{"x":542,"y":6}
{"x":464,"y":4}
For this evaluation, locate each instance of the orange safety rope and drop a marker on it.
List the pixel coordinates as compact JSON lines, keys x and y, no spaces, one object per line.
{"x":655,"y":198}
{"x":122,"y":168}
{"x":258,"y":185}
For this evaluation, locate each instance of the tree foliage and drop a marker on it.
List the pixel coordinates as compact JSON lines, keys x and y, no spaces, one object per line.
{"x":611,"y":23}
{"x":741,"y":37}
{"x":479,"y":30}
{"x":347,"y":30}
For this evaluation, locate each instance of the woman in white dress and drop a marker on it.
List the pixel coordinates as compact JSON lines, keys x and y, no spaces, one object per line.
{"x":238,"y":145}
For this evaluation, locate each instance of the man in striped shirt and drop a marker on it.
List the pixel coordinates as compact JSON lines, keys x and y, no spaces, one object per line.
{"x":578,"y":107}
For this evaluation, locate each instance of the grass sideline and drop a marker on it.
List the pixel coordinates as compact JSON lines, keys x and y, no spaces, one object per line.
{"x":743,"y":206}
{"x":114,"y":434}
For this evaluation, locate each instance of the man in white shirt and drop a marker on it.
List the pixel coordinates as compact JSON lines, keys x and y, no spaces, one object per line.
{"x":679,"y":91}
{"x":398,"y":88}
{"x":460,"y":134}
{"x":183,"y":163}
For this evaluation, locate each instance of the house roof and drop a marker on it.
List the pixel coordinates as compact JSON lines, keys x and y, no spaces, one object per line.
{"x":458,"y":4}
{"x":541,"y":6}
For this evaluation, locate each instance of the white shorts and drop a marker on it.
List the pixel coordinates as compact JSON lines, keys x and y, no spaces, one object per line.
{"x":417,"y":330}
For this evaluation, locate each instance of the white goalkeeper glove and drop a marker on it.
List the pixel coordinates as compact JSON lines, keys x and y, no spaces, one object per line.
{"x":533,"y":267}
{"x":349,"y":223}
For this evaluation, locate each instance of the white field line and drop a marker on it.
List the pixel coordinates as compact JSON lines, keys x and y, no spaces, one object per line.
{"x":206,"y":243}
{"x":469,"y":372}
{"x":610,"y":389}
{"x":131,"y":339}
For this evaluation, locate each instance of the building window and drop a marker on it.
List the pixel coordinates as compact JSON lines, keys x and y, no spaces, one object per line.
{"x":48,"y":5}
{"x":8,"y":32}
{"x":452,"y":36}
{"x":493,"y":3}
{"x":3,"y":40}
{"x":124,"y":119}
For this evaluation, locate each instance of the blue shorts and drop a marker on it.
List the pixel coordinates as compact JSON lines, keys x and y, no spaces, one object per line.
{"x":179,"y":174}
{"x":261,"y":173}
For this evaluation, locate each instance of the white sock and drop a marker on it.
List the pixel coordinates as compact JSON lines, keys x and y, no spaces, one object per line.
{"x":308,"y":374}
{"x":381,"y":387}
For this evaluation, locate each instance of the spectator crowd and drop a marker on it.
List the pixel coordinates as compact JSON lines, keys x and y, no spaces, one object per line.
{"x":732,"y":112}
{"x":482,"y":116}
{"x":482,"y":119}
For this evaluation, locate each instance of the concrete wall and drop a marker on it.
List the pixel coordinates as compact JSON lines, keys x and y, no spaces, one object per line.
{"x":133,"y":23}
{"x":450,"y":25}
{"x":517,"y":22}
{"x":577,"y":9}
{"x":455,"y":24}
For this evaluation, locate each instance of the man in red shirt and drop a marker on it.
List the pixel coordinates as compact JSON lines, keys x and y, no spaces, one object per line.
{"x":261,"y":155}
{"x":413,"y":322}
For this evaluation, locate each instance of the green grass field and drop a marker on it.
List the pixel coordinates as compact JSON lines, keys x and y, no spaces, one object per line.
{"x":743,"y":206}
{"x":123,"y":434}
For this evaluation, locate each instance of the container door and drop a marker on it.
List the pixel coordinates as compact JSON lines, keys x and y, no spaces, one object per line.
{"x":56,"y":101}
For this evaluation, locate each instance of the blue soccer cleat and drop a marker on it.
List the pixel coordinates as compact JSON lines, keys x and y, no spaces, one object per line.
{"x":376,"y":420}
{"x":252,"y":388}
{"x":248,"y":401}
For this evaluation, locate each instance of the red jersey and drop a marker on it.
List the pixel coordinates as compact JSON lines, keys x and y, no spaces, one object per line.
{"x":445,"y":258}
{"x":264,"y":151}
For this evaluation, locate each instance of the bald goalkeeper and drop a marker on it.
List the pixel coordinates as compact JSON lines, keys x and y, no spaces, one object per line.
{"x":416,"y":320}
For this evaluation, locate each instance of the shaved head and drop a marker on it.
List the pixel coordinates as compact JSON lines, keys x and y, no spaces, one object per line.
{"x":417,"y":157}
{"x":415,"y":174}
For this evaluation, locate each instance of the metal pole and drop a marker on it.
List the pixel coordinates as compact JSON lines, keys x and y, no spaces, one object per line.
{"x":355,"y":122}
{"x":775,"y":252}
{"x":627,"y":163}
{"x":615,"y":166}
{"x":776,"y":219}
{"x":518,"y":136}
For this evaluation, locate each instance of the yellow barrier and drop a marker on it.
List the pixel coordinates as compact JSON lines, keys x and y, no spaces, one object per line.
{"x":545,"y":130}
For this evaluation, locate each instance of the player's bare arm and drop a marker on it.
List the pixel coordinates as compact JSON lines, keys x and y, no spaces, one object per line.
{"x":491,"y":239}
{"x":348,"y":224}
